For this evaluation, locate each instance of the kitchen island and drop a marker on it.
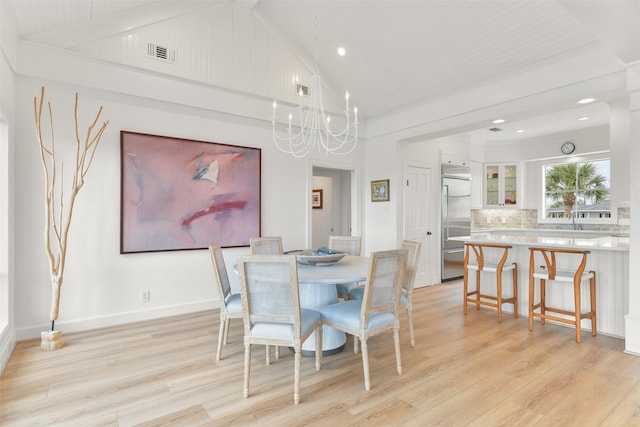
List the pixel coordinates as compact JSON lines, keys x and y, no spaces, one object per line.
{"x":609,"y":258}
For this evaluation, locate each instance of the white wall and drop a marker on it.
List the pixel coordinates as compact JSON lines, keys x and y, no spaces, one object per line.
{"x":101,"y":287}
{"x":7,"y":167}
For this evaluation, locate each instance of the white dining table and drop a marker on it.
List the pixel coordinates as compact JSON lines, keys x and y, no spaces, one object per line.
{"x":318,"y":289}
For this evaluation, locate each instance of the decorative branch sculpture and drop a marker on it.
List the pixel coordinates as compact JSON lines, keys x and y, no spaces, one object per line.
{"x":57,"y":215}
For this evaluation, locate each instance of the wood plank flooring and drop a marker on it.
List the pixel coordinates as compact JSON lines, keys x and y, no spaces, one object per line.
{"x":465,"y":371}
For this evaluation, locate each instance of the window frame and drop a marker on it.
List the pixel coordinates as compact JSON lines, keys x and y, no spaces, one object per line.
{"x":542,"y":164}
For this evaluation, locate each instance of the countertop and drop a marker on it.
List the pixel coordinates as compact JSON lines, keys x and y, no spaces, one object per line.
{"x":607,"y":243}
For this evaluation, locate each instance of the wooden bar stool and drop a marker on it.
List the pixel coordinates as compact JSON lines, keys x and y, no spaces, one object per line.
{"x":479,"y":265}
{"x":550,"y":271}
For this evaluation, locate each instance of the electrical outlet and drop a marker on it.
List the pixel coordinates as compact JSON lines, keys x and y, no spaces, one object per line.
{"x":145,"y":295}
{"x":488,"y":220}
{"x":504,"y":220}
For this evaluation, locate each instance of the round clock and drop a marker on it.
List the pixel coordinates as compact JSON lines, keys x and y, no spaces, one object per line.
{"x":568,"y":147}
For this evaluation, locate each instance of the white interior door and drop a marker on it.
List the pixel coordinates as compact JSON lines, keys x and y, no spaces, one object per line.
{"x":418,"y":220}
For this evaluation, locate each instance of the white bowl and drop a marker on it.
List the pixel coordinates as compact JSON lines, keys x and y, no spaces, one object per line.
{"x":320,"y":259}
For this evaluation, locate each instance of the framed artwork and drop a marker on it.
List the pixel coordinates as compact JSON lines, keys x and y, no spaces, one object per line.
{"x":180,"y":194}
{"x":316,"y":199}
{"x":380,"y":190}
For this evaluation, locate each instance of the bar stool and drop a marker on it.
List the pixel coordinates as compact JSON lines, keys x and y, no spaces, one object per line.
{"x":481,"y":265}
{"x":550,"y":271}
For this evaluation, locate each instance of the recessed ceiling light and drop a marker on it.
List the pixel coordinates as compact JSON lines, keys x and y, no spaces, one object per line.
{"x":342,"y":51}
{"x":583,"y":118}
{"x":520,"y":131}
{"x":586,"y":100}
{"x":497,"y":121}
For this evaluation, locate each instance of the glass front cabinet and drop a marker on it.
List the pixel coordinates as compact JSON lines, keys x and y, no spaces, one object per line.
{"x":501,"y":185}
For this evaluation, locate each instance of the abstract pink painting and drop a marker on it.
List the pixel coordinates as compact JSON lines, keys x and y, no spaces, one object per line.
{"x":182,"y":194}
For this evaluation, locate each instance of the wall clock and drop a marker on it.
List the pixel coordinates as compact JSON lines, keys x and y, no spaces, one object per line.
{"x":568,"y":147}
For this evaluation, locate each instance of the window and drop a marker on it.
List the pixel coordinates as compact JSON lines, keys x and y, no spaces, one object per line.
{"x":577,"y":191}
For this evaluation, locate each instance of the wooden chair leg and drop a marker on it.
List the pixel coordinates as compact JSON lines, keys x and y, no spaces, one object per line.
{"x":499,"y":294}
{"x":220,"y":340}
{"x":592,"y":288}
{"x":365,"y":364}
{"x":296,"y":375}
{"x":532,"y":285}
{"x":319,"y":348}
{"x":355,"y":344}
{"x":478,"y":290}
{"x":577,"y":301}
{"x":267,"y":351}
{"x":515,"y":290}
{"x":396,"y":342}
{"x":543,"y":299}
{"x":412,"y":340}
{"x":226,"y":330}
{"x":247,"y":368}
{"x":465,"y":290}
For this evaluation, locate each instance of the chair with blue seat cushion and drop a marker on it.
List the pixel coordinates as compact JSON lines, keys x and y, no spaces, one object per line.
{"x":406,"y":299}
{"x":561,"y":265}
{"x":272,"y":313}
{"x":350,"y":245}
{"x":378,"y":311}
{"x":489,"y":258}
{"x":230,"y":303}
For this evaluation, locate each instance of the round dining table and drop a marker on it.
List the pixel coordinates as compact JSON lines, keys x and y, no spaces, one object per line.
{"x":318,"y":289}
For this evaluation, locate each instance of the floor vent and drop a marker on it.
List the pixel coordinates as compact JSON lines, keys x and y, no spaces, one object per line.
{"x":162,"y":53}
{"x":495,"y":129}
{"x":303,"y":88}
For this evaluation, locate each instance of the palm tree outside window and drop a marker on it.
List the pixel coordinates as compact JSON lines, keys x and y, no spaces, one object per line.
{"x":578,"y":191}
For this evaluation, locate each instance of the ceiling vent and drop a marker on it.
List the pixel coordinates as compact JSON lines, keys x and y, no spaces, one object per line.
{"x":303,"y":88}
{"x":162,"y":53}
{"x":495,"y":129}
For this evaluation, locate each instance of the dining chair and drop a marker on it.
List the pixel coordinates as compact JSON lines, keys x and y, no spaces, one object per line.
{"x":350,"y":245}
{"x":266,"y":245}
{"x":272,"y":313}
{"x":230,"y":304}
{"x":378,"y":311}
{"x":406,"y":299}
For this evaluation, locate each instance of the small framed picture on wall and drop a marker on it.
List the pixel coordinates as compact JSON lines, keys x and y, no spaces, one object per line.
{"x":316,"y":199}
{"x":380,"y":190}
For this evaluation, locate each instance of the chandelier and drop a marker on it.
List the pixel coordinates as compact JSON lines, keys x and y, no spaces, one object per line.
{"x":314,"y":125}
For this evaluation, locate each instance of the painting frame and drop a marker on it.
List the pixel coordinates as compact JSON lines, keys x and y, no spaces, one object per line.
{"x":316,"y":198}
{"x":186,"y":194}
{"x":380,"y":191}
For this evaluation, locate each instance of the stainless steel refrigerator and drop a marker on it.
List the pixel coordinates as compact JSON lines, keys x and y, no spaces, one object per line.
{"x":456,"y":218}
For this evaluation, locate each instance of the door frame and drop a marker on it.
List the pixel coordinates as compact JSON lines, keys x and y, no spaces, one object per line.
{"x":356,"y":194}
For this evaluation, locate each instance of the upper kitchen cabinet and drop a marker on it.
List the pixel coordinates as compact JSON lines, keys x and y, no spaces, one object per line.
{"x":501,"y":185}
{"x":455,"y":159}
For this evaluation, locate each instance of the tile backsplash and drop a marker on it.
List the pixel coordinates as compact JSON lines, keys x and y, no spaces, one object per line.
{"x":482,"y":219}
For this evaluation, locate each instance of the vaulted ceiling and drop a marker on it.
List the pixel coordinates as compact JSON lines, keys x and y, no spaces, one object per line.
{"x":399,"y":54}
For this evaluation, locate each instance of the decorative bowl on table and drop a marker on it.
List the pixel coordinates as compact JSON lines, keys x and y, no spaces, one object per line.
{"x":320,"y":257}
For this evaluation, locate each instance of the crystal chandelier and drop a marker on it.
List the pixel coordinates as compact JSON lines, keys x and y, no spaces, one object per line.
{"x":315,"y":125}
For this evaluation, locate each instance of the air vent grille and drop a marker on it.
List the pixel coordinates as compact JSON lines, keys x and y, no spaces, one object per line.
{"x":161,"y":52}
{"x":494,"y":129}
{"x":303,"y":88}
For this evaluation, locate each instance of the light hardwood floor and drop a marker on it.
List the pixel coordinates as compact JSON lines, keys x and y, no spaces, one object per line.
{"x":465,"y":371}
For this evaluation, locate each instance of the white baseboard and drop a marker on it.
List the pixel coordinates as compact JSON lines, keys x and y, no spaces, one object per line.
{"x":7,"y":345}
{"x":79,"y":325}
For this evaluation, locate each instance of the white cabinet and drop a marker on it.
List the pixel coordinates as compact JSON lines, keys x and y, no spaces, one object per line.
{"x":454,"y":159}
{"x":501,"y":185}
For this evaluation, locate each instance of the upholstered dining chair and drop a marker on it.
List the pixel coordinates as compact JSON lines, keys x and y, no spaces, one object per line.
{"x":350,"y":245}
{"x":272,"y":313}
{"x":266,"y":245}
{"x":406,"y":299}
{"x":378,"y":311}
{"x":230,"y":305}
